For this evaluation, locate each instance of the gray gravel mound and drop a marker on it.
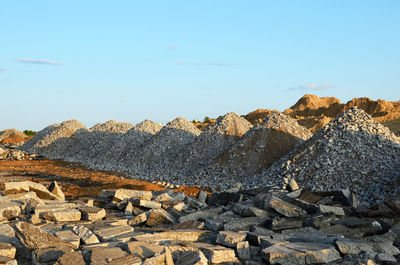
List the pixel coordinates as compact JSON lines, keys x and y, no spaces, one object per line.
{"x":353,"y":151}
{"x":211,"y":143}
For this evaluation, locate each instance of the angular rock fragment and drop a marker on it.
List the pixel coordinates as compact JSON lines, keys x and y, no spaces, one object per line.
{"x":229,"y":238}
{"x":9,"y":210}
{"x":7,"y":250}
{"x":62,"y":215}
{"x":110,"y":232}
{"x":284,"y":208}
{"x":86,"y":235}
{"x":215,"y":253}
{"x":243,"y":250}
{"x":347,"y":246}
{"x":160,"y":217}
{"x":56,"y":190}
{"x":69,"y":236}
{"x":283,"y":223}
{"x":146,"y":203}
{"x":50,"y":254}
{"x":194,"y":257}
{"x":121,"y":194}
{"x":92,"y":213}
{"x":331,"y":209}
{"x":106,"y":255}
{"x":72,"y":258}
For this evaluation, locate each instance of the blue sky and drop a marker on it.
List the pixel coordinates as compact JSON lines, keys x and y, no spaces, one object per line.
{"x":131,"y":60}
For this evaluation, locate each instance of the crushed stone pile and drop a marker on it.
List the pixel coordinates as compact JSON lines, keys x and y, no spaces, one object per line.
{"x":52,"y":141}
{"x":262,"y":145}
{"x":122,"y":148}
{"x":155,"y":157}
{"x":211,"y":143}
{"x":353,"y":151}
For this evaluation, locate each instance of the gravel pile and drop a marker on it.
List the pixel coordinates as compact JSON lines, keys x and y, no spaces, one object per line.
{"x":264,"y":144}
{"x":353,"y":151}
{"x":54,"y":139}
{"x":153,"y":159}
{"x":211,"y":143}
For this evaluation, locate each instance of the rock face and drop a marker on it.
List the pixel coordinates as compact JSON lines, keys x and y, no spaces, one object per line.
{"x":353,"y":151}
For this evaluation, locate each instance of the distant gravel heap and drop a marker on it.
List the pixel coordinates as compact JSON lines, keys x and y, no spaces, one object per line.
{"x":155,"y":156}
{"x":262,"y":145}
{"x":353,"y":151}
{"x":52,"y":140}
{"x":211,"y":143}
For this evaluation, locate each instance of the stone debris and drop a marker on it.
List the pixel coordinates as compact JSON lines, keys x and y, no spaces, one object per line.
{"x":351,"y":152}
{"x":287,"y":232}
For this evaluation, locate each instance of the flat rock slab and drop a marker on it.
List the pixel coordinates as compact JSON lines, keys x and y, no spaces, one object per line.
{"x":9,"y":210}
{"x":229,"y":238}
{"x":106,"y":255}
{"x":122,"y":194}
{"x":69,"y":236}
{"x":85,"y":234}
{"x":278,"y":224}
{"x":7,"y":234}
{"x":284,"y":208}
{"x":50,"y":254}
{"x":216,"y":253}
{"x":194,"y":257}
{"x":25,"y":186}
{"x":91,"y":213}
{"x":110,"y":232}
{"x":7,"y":250}
{"x":244,"y":224}
{"x":146,"y":203}
{"x":160,"y":217}
{"x":204,"y":214}
{"x":331,"y":209}
{"x":356,"y":246}
{"x":143,"y":250}
{"x":72,"y":258}
{"x":178,"y":235}
{"x":53,"y":206}
{"x":35,"y":238}
{"x":63,"y":215}
{"x":300,"y":253}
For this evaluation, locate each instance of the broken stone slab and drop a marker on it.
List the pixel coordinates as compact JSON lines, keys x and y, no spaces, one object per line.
{"x":193,"y":225}
{"x":7,"y":250}
{"x":348,"y":246}
{"x":69,"y":236}
{"x":7,"y":234}
{"x":7,"y":261}
{"x":300,"y":253}
{"x":106,"y":233}
{"x":35,"y":238}
{"x":56,"y":190}
{"x":364,"y":225}
{"x":139,"y":219}
{"x":224,"y":198}
{"x":92,"y":213}
{"x":323,"y":220}
{"x":202,"y":196}
{"x":71,"y":258}
{"x":163,"y":197}
{"x":141,"y":249}
{"x":85,"y":234}
{"x":26,"y":186}
{"x":244,"y":224}
{"x":160,"y":217}
{"x":342,"y":230}
{"x":9,"y":210}
{"x":106,"y":255}
{"x":277,"y":224}
{"x":50,"y":254}
{"x":214,"y":225}
{"x":164,"y":257}
{"x":54,"y":206}
{"x":204,"y":214}
{"x":193,"y":257}
{"x":62,"y":215}
{"x":243,"y":250}
{"x":146,"y":203}
{"x":215,"y":253}
{"x":229,"y":238}
{"x":284,"y":208}
{"x":121,"y":194}
{"x":177,"y":235}
{"x":178,"y":206}
{"x":254,"y":212}
{"x":346,"y":198}
{"x":331,"y":209}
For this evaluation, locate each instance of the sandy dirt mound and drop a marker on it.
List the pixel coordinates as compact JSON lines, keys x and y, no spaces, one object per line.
{"x":12,"y":136}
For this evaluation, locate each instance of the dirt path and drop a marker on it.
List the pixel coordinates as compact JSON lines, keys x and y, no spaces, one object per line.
{"x":74,"y":179}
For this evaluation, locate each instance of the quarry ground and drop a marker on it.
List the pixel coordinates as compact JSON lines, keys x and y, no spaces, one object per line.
{"x":74,"y":179}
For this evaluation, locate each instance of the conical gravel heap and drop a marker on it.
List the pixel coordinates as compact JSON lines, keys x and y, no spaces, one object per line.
{"x":49,"y":141}
{"x":154,"y":158}
{"x":262,"y":145}
{"x":211,"y":143}
{"x":353,"y":151}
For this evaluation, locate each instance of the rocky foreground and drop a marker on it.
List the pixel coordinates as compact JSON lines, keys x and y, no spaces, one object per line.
{"x":255,"y":226}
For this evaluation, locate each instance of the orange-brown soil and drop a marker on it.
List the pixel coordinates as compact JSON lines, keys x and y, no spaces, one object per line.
{"x":74,"y":179}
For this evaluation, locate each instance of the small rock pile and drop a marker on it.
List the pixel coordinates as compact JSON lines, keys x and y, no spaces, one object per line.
{"x":12,"y":138}
{"x":235,"y":226}
{"x":353,"y":151}
{"x":13,"y":154}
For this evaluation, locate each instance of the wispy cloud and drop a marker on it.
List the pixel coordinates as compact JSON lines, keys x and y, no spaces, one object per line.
{"x":312,"y":86}
{"x":206,"y":63}
{"x":173,"y":47}
{"x":38,"y":61}
{"x":2,"y":69}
